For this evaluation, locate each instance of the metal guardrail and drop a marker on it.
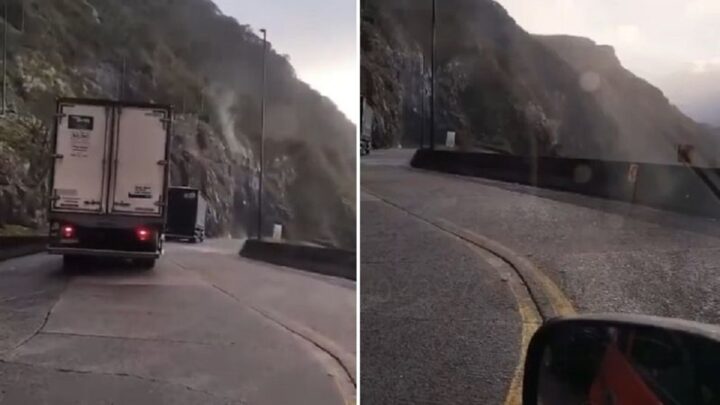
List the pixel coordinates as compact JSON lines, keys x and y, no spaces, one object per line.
{"x":16,"y":246}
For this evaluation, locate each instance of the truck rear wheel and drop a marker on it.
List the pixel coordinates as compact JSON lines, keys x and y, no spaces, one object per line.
{"x":145,"y":264}
{"x":71,"y":261}
{"x":364,"y":149}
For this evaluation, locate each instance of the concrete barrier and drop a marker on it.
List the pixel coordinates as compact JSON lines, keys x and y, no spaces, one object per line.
{"x":592,"y":177}
{"x":685,"y":189}
{"x":16,"y":246}
{"x":327,"y":261}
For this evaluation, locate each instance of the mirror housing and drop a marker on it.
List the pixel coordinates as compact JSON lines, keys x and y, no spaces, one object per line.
{"x":622,"y":359}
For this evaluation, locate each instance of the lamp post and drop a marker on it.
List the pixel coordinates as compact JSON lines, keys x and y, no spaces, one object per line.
{"x":262,"y":135}
{"x":423,"y":100}
{"x":5,"y":44}
{"x":123,"y":73}
{"x":432,"y":79}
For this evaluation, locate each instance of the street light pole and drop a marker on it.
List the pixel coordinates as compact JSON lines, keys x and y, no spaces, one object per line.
{"x":123,"y":73}
{"x":432,"y":79}
{"x":5,"y":43}
{"x":423,"y":101}
{"x":262,"y":135}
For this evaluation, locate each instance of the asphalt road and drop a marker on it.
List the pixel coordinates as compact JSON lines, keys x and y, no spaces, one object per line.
{"x":205,"y":327}
{"x":451,"y":346}
{"x":439,"y":325}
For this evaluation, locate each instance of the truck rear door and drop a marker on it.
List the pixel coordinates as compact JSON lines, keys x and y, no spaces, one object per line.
{"x":202,"y":211}
{"x":81,"y":147}
{"x":140,"y":159}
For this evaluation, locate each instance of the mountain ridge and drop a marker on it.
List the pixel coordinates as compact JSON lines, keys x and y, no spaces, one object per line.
{"x":188,"y":54}
{"x":499,"y":86}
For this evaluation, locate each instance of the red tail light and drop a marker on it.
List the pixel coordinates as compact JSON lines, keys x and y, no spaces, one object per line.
{"x":67,"y":231}
{"x":143,"y":234}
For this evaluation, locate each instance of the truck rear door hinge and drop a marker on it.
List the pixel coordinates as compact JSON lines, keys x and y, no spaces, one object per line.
{"x":162,"y":162}
{"x":55,"y":198}
{"x":58,"y":156}
{"x":159,"y":203}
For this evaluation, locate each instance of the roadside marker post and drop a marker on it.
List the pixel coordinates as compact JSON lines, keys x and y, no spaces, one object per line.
{"x":277,"y":232}
{"x":450,"y":140}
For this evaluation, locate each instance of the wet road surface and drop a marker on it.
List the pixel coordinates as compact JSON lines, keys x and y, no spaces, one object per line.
{"x":451,"y":346}
{"x":204,"y":327}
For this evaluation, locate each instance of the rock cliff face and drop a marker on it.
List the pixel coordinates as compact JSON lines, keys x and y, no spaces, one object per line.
{"x":500,"y":88}
{"x":23,"y":172}
{"x":649,"y":126}
{"x":185,"y":53}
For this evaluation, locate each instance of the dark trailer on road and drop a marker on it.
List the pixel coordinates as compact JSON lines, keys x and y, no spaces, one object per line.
{"x":186,"y":214}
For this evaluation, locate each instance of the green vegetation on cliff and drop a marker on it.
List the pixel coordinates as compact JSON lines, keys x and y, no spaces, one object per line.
{"x":185,"y":53}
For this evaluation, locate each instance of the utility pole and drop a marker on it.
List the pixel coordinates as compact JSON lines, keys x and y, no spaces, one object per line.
{"x":423,"y":101}
{"x":262,"y":135}
{"x":124,"y":76}
{"x":5,"y":45}
{"x":121,"y":81}
{"x":432,"y":79}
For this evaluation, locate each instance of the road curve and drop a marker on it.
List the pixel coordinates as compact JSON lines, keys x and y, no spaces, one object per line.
{"x":439,"y":321}
{"x":595,"y":255}
{"x":206,"y":326}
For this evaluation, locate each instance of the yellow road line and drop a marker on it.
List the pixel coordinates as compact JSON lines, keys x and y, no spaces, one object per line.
{"x":530,"y":323}
{"x":521,"y":268}
{"x":347,"y":397}
{"x":559,"y":302}
{"x":530,"y":319}
{"x":529,"y":315}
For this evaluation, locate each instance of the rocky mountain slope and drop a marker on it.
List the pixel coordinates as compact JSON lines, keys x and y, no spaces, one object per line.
{"x":649,"y":126}
{"x":185,"y":53}
{"x":499,"y":87}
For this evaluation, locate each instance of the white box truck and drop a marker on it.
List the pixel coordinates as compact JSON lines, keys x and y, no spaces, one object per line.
{"x":109,"y":180}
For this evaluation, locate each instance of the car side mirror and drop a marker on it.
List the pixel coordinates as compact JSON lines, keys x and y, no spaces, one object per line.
{"x":623,"y":359}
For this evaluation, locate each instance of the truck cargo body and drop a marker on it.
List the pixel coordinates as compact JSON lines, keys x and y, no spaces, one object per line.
{"x":109,"y":179}
{"x":366,"y":125}
{"x":186,"y":214}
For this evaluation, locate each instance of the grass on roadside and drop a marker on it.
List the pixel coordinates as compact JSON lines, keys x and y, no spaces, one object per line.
{"x":16,"y":230}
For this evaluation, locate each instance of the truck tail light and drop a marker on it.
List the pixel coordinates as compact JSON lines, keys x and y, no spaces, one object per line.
{"x":67,"y":231}
{"x":143,"y":234}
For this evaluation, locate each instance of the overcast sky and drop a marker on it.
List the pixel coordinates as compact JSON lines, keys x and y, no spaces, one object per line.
{"x":319,"y":35}
{"x":653,"y":38}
